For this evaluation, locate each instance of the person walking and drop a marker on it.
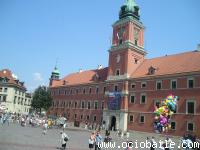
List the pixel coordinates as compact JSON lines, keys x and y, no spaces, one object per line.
{"x":152,"y":143}
{"x":64,"y":126}
{"x":64,"y":139}
{"x":92,"y":141}
{"x":45,"y":128}
{"x":98,"y":141}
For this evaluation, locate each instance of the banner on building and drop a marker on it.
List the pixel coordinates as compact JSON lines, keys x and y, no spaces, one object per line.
{"x":114,"y":101}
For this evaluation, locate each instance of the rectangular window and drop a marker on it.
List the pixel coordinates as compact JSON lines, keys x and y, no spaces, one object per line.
{"x":88,"y":105}
{"x":95,"y":118}
{"x":75,"y":116}
{"x":142,"y":119}
{"x":104,"y":90}
{"x":82,"y":104}
{"x":75,"y":105}
{"x":173,"y":84}
{"x":5,"y":90}
{"x":84,"y":91}
{"x":67,"y":104}
{"x":157,"y":103}
{"x":18,"y":100}
{"x":132,"y":99}
{"x":90,"y":90}
{"x":190,"y":107}
{"x":116,"y":88}
{"x":4,"y":98}
{"x":173,"y":125}
{"x":133,"y":85}
{"x":190,"y":83}
{"x":81,"y":117}
{"x":15,"y":99}
{"x":190,"y":126}
{"x":96,"y":105}
{"x":97,"y":90}
{"x":158,"y":85}
{"x":131,"y":118}
{"x":144,"y":84}
{"x":143,"y":99}
{"x":102,"y":105}
{"x":88,"y":117}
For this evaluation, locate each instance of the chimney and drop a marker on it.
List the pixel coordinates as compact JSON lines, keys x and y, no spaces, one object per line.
{"x":80,"y":70}
{"x":198,"y":47}
{"x":100,"y":67}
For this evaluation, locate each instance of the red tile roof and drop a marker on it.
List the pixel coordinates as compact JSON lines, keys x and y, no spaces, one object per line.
{"x":85,"y":77}
{"x":167,"y":65}
{"x":7,"y":74}
{"x":172,"y":64}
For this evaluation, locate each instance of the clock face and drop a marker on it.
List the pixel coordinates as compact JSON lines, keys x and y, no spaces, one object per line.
{"x":118,"y":58}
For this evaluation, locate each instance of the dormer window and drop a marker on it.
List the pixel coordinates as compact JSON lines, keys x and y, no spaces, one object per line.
{"x":96,"y":77}
{"x":64,"y":82}
{"x":151,"y":70}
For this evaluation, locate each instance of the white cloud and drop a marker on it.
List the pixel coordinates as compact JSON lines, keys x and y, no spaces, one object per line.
{"x":37,"y":76}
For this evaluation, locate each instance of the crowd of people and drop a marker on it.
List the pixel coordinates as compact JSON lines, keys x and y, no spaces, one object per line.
{"x":94,"y":139}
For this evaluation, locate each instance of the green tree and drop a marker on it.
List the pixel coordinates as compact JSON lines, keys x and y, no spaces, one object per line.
{"x":41,"y":99}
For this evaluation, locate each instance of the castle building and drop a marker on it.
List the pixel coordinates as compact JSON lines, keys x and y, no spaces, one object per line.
{"x":123,"y":95}
{"x":13,"y":96}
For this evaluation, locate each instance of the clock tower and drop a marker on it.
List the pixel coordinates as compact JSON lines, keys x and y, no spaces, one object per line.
{"x":125,"y":56}
{"x":127,"y":50}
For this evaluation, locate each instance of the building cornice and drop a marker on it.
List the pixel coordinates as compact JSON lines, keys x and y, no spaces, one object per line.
{"x":128,"y":45}
{"x":120,"y":77}
{"x":13,"y":85}
{"x":128,"y":19}
{"x":165,"y":76}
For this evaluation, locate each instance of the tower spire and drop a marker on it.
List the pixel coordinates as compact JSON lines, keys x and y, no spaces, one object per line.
{"x":130,"y":3}
{"x":129,"y":9}
{"x":56,"y":63}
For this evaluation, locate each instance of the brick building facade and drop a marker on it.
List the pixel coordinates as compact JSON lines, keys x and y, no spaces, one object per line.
{"x":123,"y":95}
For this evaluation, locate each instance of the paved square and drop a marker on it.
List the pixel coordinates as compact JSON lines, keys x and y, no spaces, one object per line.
{"x":15,"y":137}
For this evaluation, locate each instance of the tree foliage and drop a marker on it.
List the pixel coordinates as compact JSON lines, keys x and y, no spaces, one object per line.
{"x":41,"y":98}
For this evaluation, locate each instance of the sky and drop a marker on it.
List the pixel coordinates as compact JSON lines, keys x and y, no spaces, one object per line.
{"x":35,"y":34}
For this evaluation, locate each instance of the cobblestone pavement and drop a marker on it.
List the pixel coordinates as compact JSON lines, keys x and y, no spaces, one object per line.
{"x":15,"y":137}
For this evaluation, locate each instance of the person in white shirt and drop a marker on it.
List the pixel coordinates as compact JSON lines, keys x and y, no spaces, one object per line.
{"x":45,"y":128}
{"x":64,"y":139}
{"x":64,"y":126}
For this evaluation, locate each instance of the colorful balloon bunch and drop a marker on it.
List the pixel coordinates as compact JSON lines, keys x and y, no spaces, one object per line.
{"x":164,"y":113}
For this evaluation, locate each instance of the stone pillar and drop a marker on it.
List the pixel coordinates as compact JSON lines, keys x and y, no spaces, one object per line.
{"x":106,"y":118}
{"x":123,"y":121}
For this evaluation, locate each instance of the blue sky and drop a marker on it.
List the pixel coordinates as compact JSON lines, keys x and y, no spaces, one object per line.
{"x":34,"y":33}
